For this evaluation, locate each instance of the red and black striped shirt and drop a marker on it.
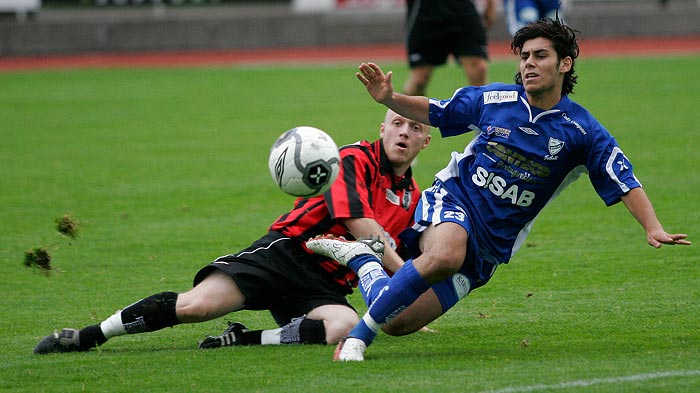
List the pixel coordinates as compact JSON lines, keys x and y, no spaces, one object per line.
{"x":366,"y":187}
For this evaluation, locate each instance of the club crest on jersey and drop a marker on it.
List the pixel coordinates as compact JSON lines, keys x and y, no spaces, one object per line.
{"x":404,"y":201}
{"x":494,"y":97}
{"x":554,"y":146}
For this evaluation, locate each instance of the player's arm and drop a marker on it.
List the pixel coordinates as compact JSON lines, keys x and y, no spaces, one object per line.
{"x":365,"y":227}
{"x":379,"y":86}
{"x":637,"y":202}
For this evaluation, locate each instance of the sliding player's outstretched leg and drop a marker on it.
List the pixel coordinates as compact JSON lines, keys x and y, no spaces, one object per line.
{"x":150,"y":314}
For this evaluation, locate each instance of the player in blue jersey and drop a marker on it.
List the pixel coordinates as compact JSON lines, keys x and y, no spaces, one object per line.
{"x":519,"y":13}
{"x":531,"y":141}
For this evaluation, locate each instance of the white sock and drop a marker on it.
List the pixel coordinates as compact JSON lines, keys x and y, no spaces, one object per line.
{"x":113,"y":325}
{"x":270,"y":337}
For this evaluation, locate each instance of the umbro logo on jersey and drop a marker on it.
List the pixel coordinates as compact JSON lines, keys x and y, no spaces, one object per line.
{"x":528,"y":131}
{"x":494,"y":97}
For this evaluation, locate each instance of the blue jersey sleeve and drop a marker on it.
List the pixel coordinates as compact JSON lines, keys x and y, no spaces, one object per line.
{"x":610,"y":171}
{"x":455,"y":115}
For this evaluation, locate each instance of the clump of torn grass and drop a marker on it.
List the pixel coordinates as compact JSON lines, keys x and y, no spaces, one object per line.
{"x":38,"y":257}
{"x":67,"y":225}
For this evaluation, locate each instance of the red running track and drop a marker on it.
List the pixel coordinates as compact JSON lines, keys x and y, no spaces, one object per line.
{"x":340,"y":54}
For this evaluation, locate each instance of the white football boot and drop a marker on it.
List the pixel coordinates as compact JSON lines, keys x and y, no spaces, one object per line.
{"x":350,"y":349}
{"x":343,"y":250}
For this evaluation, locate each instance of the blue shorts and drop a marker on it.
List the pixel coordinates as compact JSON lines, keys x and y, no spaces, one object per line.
{"x":435,"y":207}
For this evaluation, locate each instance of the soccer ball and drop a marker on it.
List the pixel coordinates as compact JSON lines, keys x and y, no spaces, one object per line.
{"x":304,"y":161}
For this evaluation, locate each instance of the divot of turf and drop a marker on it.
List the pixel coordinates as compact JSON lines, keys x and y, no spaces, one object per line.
{"x":67,"y":225}
{"x":38,"y":257}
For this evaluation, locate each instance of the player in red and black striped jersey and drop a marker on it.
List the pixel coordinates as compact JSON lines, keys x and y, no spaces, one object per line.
{"x":367,"y":199}
{"x":374,"y":195}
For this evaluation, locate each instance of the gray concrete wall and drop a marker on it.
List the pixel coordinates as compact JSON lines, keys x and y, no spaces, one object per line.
{"x":68,"y":31}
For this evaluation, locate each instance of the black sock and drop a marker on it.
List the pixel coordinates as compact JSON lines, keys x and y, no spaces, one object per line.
{"x":251,"y":337}
{"x":312,"y":331}
{"x":91,"y":336}
{"x":303,"y":331}
{"x":299,"y":331}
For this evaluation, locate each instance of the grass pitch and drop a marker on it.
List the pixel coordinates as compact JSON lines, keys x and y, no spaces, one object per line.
{"x":166,"y":170}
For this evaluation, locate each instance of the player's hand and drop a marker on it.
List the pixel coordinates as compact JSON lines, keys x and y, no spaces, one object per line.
{"x":378,"y":84}
{"x":657,"y":239}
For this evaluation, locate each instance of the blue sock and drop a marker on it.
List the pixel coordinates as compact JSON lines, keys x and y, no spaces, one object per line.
{"x":398,"y":293}
{"x":372,"y":276}
{"x":363,"y":332}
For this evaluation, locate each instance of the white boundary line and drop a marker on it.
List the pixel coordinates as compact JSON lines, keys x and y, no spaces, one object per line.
{"x":597,"y":381}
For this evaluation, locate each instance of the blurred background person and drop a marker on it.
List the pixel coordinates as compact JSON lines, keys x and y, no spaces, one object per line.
{"x":518,"y":13}
{"x":436,"y":29}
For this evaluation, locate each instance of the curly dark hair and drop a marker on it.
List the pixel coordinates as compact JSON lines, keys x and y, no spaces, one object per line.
{"x":565,"y":42}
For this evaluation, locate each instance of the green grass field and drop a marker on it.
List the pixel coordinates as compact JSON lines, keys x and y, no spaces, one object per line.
{"x":167,"y":169}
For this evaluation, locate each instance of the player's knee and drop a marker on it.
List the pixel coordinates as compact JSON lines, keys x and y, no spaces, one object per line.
{"x":215,"y":296}
{"x":191,"y":309}
{"x":435,"y":267}
{"x":339,"y":328}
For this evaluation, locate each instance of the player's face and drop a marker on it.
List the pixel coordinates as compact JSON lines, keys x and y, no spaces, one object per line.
{"x":403,"y":139}
{"x":541,"y":70}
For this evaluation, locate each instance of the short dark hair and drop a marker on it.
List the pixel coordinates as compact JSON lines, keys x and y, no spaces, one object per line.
{"x":565,"y":42}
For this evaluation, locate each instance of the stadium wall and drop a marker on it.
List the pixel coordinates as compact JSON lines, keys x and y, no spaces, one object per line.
{"x":245,"y":26}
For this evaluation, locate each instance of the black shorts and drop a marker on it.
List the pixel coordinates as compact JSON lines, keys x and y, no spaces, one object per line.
{"x":430,"y":44}
{"x":275,"y":273}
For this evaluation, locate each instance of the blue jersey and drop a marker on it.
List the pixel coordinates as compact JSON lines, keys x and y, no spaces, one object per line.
{"x":520,"y":159}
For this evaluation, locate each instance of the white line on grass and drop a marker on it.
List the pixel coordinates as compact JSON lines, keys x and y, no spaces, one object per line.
{"x":597,"y":381}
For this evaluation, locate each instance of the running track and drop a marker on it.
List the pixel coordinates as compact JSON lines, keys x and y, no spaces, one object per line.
{"x":325,"y":55}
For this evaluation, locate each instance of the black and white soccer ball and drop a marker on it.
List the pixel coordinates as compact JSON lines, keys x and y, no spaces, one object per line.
{"x":304,"y":161}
